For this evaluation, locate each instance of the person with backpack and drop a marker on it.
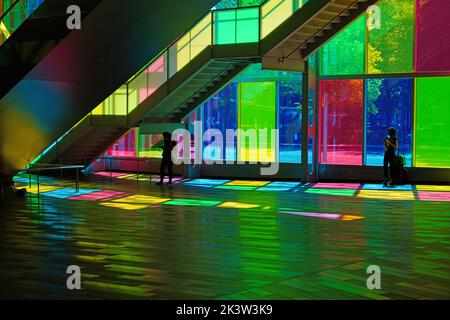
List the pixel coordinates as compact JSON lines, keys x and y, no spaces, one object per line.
{"x":390,"y":145}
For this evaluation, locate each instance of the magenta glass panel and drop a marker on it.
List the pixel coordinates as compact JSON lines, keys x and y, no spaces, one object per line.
{"x":341,"y":121}
{"x":433,"y":35}
{"x":125,"y":146}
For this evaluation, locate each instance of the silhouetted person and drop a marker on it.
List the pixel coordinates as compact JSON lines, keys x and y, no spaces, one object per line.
{"x":166,"y":161}
{"x":390,"y":144}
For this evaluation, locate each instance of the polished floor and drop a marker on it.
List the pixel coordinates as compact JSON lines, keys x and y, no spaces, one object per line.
{"x":224,"y":239}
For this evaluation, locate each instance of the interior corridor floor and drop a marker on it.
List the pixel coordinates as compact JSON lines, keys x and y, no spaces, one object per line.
{"x":224,"y":239}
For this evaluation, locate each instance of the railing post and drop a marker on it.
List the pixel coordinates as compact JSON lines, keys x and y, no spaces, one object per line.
{"x":77,"y":185}
{"x":137,"y":170}
{"x":110,"y":170}
{"x":38,"y":183}
{"x":29,"y":174}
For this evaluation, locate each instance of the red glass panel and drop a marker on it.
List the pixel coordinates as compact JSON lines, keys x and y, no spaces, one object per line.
{"x":432,"y":35}
{"x":341,"y":121}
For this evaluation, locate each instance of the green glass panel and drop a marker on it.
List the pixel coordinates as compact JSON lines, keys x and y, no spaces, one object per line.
{"x":257,"y":110}
{"x":344,"y":54}
{"x":432,"y":140}
{"x":391,"y":43}
{"x":250,"y":3}
{"x":247,"y":25}
{"x":225,"y":27}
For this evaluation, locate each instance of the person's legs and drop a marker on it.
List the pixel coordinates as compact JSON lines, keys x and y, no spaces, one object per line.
{"x":162,"y":169}
{"x":391,"y":170}
{"x":385,"y":168}
{"x":170,"y":169}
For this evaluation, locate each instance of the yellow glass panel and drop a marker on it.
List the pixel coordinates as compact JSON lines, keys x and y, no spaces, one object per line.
{"x":183,"y":51}
{"x":201,"y":36}
{"x":274,"y":13}
{"x":386,"y":195}
{"x":115,"y":104}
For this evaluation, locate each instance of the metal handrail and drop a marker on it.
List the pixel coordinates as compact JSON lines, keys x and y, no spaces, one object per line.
{"x":53,"y":167}
{"x":9,"y":9}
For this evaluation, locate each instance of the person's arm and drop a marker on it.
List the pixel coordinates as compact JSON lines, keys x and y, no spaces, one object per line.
{"x":394,"y":145}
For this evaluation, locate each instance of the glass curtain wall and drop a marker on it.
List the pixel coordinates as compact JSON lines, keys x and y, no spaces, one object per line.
{"x":390,"y":75}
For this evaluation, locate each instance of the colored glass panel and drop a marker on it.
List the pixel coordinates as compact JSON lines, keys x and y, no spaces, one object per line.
{"x":257,"y":112}
{"x":341,"y":121}
{"x":137,"y":91}
{"x":125,"y":146}
{"x":149,"y":145}
{"x":290,"y":120}
{"x":432,"y":139}
{"x":390,"y":46}
{"x":432,"y":35}
{"x":224,"y":27}
{"x":344,"y":54}
{"x":115,"y":104}
{"x":274,"y":13}
{"x":236,"y":26}
{"x":388,"y":104}
{"x":220,"y":114}
{"x":201,"y":35}
{"x":179,"y":54}
{"x":157,"y":74}
{"x":247,"y":25}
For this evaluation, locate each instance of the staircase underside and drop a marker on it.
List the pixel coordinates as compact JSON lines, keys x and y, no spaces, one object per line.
{"x":308,"y":29}
{"x":83,"y":69}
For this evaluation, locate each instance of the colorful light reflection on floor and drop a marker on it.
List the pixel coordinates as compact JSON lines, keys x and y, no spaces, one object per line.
{"x":138,"y":234}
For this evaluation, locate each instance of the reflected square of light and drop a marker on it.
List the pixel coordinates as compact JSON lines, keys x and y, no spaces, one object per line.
{"x":370,"y":186}
{"x":205,"y":182}
{"x":192,"y":202}
{"x":326,"y":185}
{"x":332,"y":192}
{"x":125,"y":206}
{"x":237,"y":205}
{"x":68,"y":192}
{"x":386,"y":195}
{"x":422,"y":187}
{"x":108,"y":174}
{"x":137,"y":198}
{"x":332,"y":216}
{"x":242,"y":188}
{"x":434,"y":196}
{"x":98,"y":195}
{"x":42,"y":189}
{"x":273,"y":189}
{"x":247,"y":183}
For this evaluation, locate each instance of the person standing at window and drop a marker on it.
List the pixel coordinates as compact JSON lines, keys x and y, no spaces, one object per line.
{"x":166,"y":161}
{"x":390,"y":144}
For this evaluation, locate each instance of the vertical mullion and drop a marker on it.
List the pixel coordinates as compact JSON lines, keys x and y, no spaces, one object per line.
{"x":364,"y":122}
{"x":277,"y":120}
{"x":413,"y":122}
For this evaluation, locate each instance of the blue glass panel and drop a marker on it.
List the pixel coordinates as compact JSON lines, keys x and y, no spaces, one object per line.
{"x":219,"y":112}
{"x":388,"y":104}
{"x":290,"y":120}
